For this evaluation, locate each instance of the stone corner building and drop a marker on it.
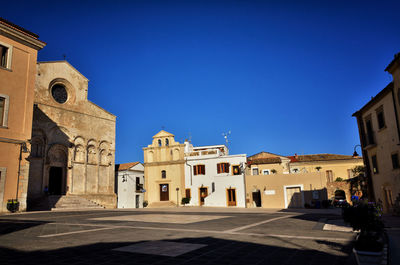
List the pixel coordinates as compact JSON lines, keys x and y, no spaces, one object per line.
{"x":73,"y":139}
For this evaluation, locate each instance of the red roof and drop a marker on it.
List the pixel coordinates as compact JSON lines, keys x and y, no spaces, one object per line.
{"x":318,"y":157}
{"x":120,"y":167}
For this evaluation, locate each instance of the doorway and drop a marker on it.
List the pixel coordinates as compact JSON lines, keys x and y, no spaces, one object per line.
{"x":203,"y":193}
{"x":164,"y":192}
{"x":231,"y":194}
{"x":257,"y":198}
{"x":293,"y":197}
{"x":137,"y":201}
{"x":55,"y":180}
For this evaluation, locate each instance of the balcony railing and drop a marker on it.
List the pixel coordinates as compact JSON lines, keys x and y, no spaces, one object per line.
{"x":139,"y":187}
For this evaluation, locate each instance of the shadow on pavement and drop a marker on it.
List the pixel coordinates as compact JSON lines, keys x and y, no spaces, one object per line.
{"x":216,"y":251}
{"x":10,"y":226}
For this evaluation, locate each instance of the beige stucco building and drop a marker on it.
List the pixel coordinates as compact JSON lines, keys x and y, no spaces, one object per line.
{"x":73,"y":139}
{"x":164,"y":170}
{"x":379,"y":130}
{"x":18,"y":55}
{"x":274,"y":181}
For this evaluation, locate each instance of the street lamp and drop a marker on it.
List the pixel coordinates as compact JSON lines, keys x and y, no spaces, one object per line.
{"x":355,"y":154}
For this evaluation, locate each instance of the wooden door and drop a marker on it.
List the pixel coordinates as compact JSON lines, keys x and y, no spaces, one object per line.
{"x":293,"y":196}
{"x":164,"y":192}
{"x":231,"y":195}
{"x":203,"y":192}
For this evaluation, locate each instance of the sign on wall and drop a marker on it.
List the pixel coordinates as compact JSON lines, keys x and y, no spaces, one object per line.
{"x":269,"y":192}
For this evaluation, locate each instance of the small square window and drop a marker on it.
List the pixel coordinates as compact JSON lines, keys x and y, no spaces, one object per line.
{"x":395,"y":161}
{"x":236,"y":170}
{"x":2,"y":109}
{"x":381,"y":118}
{"x":5,"y":55}
{"x":4,"y":104}
{"x":199,"y":170}
{"x":374,"y":165}
{"x":222,"y":168}
{"x":255,"y":171}
{"x":266,"y":172}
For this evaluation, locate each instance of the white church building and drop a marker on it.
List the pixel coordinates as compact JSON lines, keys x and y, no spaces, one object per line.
{"x":130,"y":182}
{"x":213,"y":177}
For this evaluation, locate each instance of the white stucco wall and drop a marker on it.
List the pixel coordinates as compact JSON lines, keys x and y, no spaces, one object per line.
{"x":127,"y":189}
{"x":223,"y":181}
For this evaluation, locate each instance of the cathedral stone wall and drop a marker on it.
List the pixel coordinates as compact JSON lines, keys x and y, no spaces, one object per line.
{"x":73,"y":139}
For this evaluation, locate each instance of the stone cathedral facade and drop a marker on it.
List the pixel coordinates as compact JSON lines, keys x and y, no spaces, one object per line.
{"x":73,"y":139}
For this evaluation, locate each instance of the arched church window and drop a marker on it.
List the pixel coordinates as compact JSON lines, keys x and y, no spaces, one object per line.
{"x":166,"y":142}
{"x":159,"y":142}
{"x":37,"y":148}
{"x":163,"y":174}
{"x":79,"y":154}
{"x":104,"y":157}
{"x":91,"y":155}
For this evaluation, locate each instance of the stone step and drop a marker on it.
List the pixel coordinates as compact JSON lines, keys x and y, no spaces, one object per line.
{"x":74,"y":203}
{"x":162,"y":204}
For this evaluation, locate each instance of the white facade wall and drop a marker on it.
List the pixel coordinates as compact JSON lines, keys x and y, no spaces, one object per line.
{"x":222,"y":182}
{"x":127,"y":195}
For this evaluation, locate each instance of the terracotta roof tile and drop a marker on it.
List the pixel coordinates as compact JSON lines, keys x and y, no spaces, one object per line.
{"x":318,"y":157}
{"x":269,"y":160}
{"x":120,"y":167}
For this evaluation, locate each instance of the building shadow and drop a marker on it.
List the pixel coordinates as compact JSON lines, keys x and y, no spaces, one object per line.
{"x":48,"y":159}
{"x":215,"y":251}
{"x":8,"y":226}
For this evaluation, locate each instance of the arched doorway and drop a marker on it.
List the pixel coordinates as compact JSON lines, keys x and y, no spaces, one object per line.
{"x":55,"y":180}
{"x":57,"y":160}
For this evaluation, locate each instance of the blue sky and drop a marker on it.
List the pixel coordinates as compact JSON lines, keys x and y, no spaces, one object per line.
{"x":282,"y":76}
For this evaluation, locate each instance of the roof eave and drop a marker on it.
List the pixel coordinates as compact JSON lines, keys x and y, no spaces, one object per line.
{"x":21,"y":37}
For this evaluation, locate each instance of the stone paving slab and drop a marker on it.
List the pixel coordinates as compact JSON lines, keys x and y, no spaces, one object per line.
{"x":161,"y":218}
{"x":163,"y":248}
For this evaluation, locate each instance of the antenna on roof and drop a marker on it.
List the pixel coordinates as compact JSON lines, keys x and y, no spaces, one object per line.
{"x":162,"y":127}
{"x":64,"y":56}
{"x":226,"y":135}
{"x":190,"y":137}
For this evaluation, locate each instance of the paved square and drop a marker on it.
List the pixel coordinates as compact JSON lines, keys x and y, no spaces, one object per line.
{"x":187,"y":236}
{"x":163,"y":248}
{"x":162,"y":218}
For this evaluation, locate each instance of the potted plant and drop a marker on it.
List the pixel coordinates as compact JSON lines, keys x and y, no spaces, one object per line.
{"x":366,"y":217}
{"x":273,"y":171}
{"x":145,"y":203}
{"x":13,"y":205}
{"x":185,"y":201}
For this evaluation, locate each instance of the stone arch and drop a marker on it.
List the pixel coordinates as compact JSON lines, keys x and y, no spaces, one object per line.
{"x":57,"y":158}
{"x":79,"y":153}
{"x":79,"y":140}
{"x":59,"y":134}
{"x":38,"y":143}
{"x":92,"y":142}
{"x":150,"y":156}
{"x":91,"y":157}
{"x":57,"y":155}
{"x":104,"y":154}
{"x":175,"y":154}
